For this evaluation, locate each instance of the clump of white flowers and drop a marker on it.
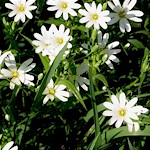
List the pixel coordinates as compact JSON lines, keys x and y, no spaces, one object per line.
{"x":52,"y":41}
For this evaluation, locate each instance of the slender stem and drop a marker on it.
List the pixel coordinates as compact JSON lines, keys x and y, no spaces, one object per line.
{"x":93,"y":99}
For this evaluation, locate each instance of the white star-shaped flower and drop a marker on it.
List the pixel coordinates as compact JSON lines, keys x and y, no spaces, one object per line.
{"x":44,"y":41}
{"x":19,"y":75}
{"x":63,"y":7}
{"x":9,"y":145}
{"x":124,"y":13}
{"x":121,"y":110}
{"x":60,"y":37}
{"x":20,"y":9}
{"x":94,"y":15}
{"x":109,"y":51}
{"x":52,"y":91}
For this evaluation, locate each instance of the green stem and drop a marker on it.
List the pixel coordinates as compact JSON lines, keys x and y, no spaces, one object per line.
{"x":95,"y":117}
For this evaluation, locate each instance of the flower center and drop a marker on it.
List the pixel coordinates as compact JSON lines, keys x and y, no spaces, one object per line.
{"x":52,"y":91}
{"x":21,"y":8}
{"x":122,"y":13}
{"x":64,"y":5}
{"x":46,"y":45}
{"x":59,"y":40}
{"x":122,"y":112}
{"x":15,"y":74}
{"x":95,"y":16}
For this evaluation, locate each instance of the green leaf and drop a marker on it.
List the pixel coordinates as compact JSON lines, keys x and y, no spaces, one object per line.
{"x":73,"y":89}
{"x":136,"y":43}
{"x":101,"y":78}
{"x":28,"y":39}
{"x":93,"y":144}
{"x":51,"y":21}
{"x":90,"y":113}
{"x":45,"y":62}
{"x":123,"y":131}
{"x":48,"y":76}
{"x":130,"y":145}
{"x":143,"y":32}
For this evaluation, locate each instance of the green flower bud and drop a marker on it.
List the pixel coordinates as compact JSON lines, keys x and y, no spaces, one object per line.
{"x":40,"y":76}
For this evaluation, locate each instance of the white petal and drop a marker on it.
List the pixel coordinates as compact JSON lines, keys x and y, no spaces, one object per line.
{"x":119,"y":122}
{"x":114,"y":18}
{"x":122,"y":99}
{"x":114,"y":58}
{"x":10,"y":6}
{"x":125,"y":3}
{"x":60,"y":97}
{"x":109,"y":105}
{"x":113,"y":45}
{"x":122,"y":26}
{"x":135,"y":19}
{"x":8,"y":145}
{"x":130,"y":127}
{"x":136,"y":13}
{"x":131,"y":4}
{"x":30,"y":2}
{"x":112,"y":120}
{"x":127,"y":25}
{"x":132,"y":102}
{"x":14,"y":148}
{"x":108,"y":113}
{"x":114,"y":99}
{"x":6,"y":73}
{"x":110,"y":65}
{"x":45,"y":100}
{"x":136,"y":126}
{"x":82,"y":68}
{"x":116,"y":2}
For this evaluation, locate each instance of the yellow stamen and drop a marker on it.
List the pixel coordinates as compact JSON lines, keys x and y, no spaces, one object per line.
{"x":122,"y":112}
{"x":59,"y":40}
{"x":95,"y":16}
{"x":21,"y":8}
{"x":52,"y":91}
{"x":15,"y":74}
{"x":64,"y":5}
{"x":122,"y":13}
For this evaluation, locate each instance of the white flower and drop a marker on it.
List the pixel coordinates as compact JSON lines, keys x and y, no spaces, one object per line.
{"x":20,"y":9}
{"x":108,"y":49}
{"x":9,"y":145}
{"x":17,"y":75}
{"x":60,"y":37}
{"x":123,"y":13}
{"x":78,"y":79}
{"x":63,"y":7}
{"x":52,"y":91}
{"x":94,"y":16}
{"x":3,"y":56}
{"x":43,"y":41}
{"x":52,"y":41}
{"x":121,"y":110}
